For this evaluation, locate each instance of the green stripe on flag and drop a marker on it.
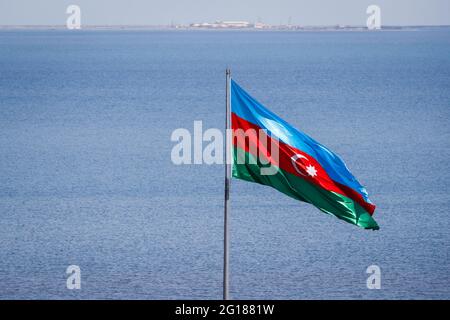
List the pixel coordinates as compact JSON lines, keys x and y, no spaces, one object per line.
{"x":329,"y":202}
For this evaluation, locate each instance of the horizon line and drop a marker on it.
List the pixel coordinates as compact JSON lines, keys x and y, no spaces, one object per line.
{"x":189,"y":26}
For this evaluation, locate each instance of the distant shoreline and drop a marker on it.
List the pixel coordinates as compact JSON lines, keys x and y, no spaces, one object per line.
{"x":189,"y":28}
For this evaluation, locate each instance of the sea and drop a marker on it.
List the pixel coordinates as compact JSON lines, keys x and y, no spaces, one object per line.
{"x":87,"y":179}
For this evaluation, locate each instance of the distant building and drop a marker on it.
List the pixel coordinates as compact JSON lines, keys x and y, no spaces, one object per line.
{"x":236,"y":24}
{"x":223,"y":24}
{"x":260,"y":25}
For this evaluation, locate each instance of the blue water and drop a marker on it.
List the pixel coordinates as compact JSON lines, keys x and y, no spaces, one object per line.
{"x":86,"y":176}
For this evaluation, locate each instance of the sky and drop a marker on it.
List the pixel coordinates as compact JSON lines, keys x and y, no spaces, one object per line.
{"x":164,"y":12}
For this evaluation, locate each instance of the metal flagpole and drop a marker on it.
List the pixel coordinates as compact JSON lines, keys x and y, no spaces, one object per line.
{"x":227,"y":189}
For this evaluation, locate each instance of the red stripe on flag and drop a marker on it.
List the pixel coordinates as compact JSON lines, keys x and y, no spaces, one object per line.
{"x":290,"y":159}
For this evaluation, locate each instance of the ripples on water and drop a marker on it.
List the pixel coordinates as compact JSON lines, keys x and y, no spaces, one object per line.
{"x":86,"y":175}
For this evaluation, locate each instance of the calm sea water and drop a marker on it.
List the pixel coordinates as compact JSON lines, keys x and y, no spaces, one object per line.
{"x":86,"y":176}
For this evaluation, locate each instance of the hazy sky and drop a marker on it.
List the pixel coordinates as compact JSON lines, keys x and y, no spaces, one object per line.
{"x":152,"y":12}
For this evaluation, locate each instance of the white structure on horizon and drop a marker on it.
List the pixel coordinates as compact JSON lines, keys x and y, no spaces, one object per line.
{"x":236,"y":24}
{"x":223,"y":24}
{"x":260,"y":25}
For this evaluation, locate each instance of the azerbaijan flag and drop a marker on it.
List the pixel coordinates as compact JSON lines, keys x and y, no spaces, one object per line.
{"x":269,"y":151}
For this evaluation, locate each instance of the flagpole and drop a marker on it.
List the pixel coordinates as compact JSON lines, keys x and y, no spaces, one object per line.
{"x":227,"y":189}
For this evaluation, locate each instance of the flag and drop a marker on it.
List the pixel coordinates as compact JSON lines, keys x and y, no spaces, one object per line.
{"x":268,"y":150}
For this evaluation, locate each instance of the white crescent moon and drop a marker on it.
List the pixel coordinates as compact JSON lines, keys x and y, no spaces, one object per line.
{"x":294,"y":164}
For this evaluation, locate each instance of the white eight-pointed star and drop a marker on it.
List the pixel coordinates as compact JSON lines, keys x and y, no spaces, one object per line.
{"x":311,"y":170}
